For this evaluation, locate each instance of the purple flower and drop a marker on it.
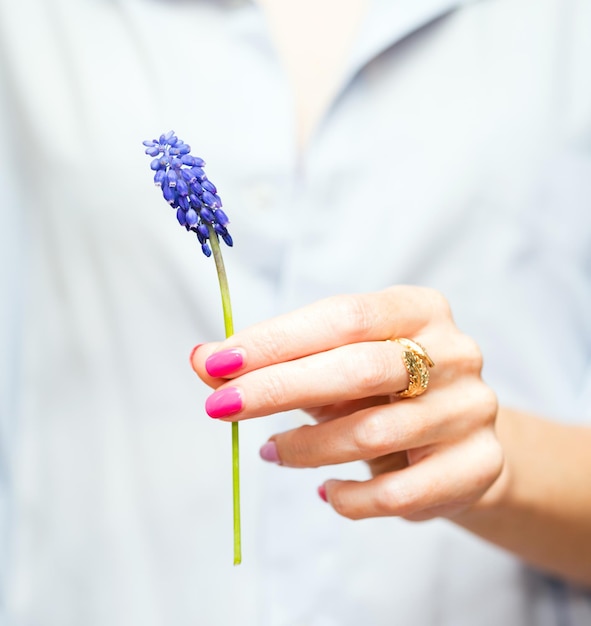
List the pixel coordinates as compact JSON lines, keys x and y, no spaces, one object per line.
{"x":186,"y":188}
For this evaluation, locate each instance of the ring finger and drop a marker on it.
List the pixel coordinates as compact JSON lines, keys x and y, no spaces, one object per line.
{"x":441,"y":415}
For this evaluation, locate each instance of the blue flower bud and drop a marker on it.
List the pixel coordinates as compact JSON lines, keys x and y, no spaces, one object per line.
{"x":206,"y":250}
{"x":180,"y":215}
{"x":153,"y":151}
{"x":192,"y":217}
{"x":208,"y":186}
{"x":186,"y":174}
{"x":171,"y":178}
{"x":203,"y":230}
{"x":157,"y":164}
{"x":221,"y":217}
{"x":198,"y":173}
{"x":183,"y":202}
{"x":196,"y":187}
{"x":169,"y":194}
{"x":159,"y":177}
{"x":208,"y":198}
{"x":182,"y":187}
{"x":228,"y":239}
{"x":206,"y":215}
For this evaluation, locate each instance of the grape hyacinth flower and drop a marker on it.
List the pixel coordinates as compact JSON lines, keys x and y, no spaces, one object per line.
{"x":187,"y":189}
{"x":198,"y":207}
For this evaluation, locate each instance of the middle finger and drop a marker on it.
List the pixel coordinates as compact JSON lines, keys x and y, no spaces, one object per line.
{"x":345,"y":373}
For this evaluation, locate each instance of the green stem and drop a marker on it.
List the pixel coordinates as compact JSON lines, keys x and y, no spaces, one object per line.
{"x":229,"y":327}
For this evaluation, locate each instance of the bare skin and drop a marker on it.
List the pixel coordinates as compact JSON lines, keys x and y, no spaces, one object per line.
{"x":313,"y":40}
{"x":516,"y":480}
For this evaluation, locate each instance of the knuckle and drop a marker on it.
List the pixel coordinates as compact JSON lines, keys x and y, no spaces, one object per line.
{"x":297,"y":453}
{"x":474,"y":352}
{"x":370,"y":370}
{"x":269,"y":345}
{"x":371,"y":438}
{"x":273,"y":391}
{"x":489,"y":403}
{"x":483,"y":404}
{"x":479,"y":407}
{"x":354,"y":315}
{"x":469,"y":354}
{"x":491,"y":464}
{"x":390,"y":500}
{"x":439,"y":304}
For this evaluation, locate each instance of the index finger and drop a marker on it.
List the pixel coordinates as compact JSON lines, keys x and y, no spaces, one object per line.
{"x":324,"y":325}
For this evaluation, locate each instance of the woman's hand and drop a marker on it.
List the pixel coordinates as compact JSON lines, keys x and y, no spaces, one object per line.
{"x":433,"y":455}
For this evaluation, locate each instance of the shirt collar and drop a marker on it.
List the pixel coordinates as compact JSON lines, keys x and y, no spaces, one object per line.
{"x":390,"y":21}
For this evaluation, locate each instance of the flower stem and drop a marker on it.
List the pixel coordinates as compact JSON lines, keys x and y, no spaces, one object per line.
{"x":229,"y":328}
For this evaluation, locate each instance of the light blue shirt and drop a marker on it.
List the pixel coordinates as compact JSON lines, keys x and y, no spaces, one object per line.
{"x":456,"y":154}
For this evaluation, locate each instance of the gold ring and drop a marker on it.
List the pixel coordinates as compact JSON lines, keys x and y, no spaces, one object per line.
{"x":417,"y":363}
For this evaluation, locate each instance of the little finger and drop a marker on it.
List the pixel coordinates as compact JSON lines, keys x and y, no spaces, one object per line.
{"x":444,"y":483}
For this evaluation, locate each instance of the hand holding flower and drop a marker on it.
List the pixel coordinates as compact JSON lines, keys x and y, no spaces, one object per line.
{"x":432,"y":455}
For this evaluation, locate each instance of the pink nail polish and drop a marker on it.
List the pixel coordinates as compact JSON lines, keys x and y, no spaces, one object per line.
{"x":224,"y":362}
{"x":224,"y":402}
{"x":193,"y":352}
{"x":322,"y":493}
{"x":269,"y":453}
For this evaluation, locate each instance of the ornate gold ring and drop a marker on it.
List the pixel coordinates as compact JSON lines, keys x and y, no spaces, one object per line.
{"x":417,"y":363}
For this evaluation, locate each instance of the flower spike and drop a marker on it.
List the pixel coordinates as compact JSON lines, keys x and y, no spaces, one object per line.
{"x":187,"y":189}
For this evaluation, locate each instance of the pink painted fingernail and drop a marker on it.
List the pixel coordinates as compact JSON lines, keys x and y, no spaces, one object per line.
{"x":224,"y":402}
{"x":224,"y":362}
{"x":322,"y":492}
{"x":193,"y":352}
{"x":269,"y":453}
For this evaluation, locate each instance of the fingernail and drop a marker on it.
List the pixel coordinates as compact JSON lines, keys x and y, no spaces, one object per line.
{"x":224,"y":362}
{"x":224,"y":402}
{"x":269,"y":453}
{"x":322,"y":492}
{"x":193,"y":352}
